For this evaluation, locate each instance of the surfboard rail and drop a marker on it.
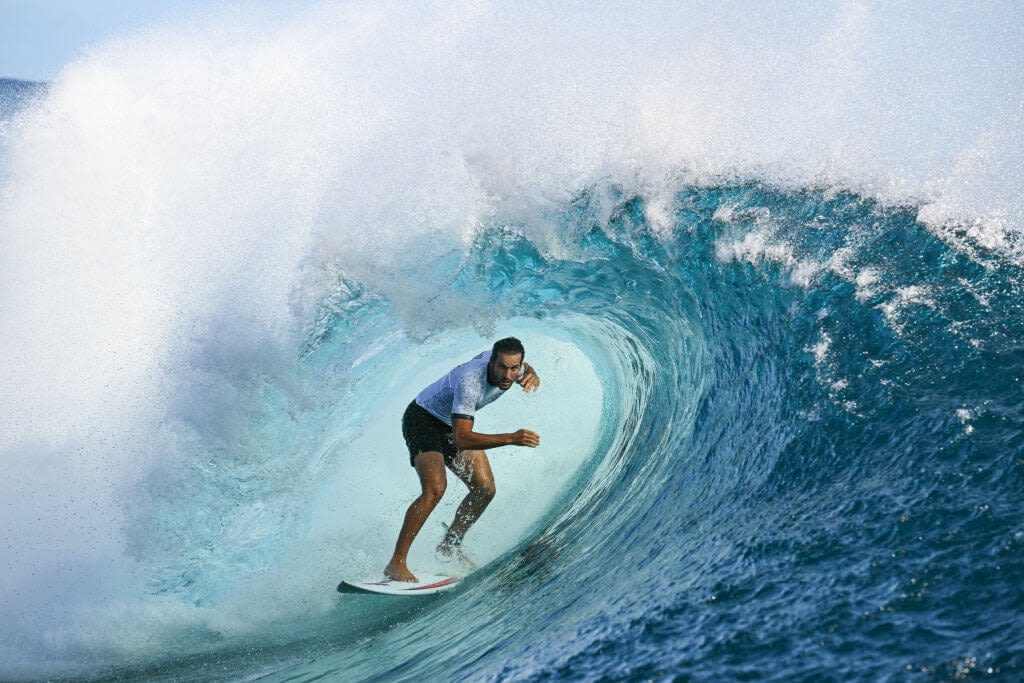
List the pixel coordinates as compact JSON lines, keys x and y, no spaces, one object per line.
{"x":427,"y":585}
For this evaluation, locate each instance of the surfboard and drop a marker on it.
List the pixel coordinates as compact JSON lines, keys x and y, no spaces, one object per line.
{"x":427,"y":585}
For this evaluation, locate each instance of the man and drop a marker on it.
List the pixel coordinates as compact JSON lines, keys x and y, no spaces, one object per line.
{"x":438,"y":429}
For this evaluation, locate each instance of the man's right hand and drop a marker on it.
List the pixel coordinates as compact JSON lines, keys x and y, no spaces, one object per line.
{"x":524,"y":437}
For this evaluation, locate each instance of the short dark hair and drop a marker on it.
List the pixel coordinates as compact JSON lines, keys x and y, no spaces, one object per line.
{"x":508,"y":345}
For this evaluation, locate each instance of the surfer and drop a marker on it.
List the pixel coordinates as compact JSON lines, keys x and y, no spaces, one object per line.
{"x":438,"y":429}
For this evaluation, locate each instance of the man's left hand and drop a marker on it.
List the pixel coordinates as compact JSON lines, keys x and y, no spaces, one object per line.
{"x":529,"y":381}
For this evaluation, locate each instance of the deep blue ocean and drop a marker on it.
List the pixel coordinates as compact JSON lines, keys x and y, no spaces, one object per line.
{"x":771,"y":274}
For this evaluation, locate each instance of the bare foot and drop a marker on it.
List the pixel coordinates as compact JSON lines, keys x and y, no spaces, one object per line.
{"x":397,"y":571}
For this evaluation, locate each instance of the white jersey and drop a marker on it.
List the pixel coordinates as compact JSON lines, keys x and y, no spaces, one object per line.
{"x":462,"y":392}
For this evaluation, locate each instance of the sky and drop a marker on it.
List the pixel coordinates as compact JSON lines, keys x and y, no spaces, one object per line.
{"x":38,"y":37}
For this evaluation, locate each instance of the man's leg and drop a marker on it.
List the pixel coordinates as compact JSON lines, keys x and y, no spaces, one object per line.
{"x":473,"y":468}
{"x":430,"y":468}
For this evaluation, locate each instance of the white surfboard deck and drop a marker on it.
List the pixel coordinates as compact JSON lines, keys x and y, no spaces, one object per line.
{"x":428,"y":584}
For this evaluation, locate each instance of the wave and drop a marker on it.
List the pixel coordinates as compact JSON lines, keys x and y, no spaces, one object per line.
{"x":774,"y":303}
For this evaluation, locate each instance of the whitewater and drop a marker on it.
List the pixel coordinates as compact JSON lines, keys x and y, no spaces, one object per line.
{"x":768,"y":262}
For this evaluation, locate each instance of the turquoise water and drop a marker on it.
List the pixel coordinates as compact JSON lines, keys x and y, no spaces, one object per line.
{"x":780,"y":344}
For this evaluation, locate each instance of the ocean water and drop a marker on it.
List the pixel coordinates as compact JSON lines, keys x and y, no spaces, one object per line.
{"x":767,"y":261}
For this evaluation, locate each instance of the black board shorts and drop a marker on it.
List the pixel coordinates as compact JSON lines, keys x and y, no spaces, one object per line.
{"x":424,"y":432}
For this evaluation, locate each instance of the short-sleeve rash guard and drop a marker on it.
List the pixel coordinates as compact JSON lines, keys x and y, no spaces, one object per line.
{"x":461,"y":392}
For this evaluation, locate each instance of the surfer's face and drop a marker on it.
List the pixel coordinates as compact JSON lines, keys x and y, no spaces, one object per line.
{"x":504,"y":369}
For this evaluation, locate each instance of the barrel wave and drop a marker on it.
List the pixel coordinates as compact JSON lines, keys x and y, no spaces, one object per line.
{"x":778,"y":329}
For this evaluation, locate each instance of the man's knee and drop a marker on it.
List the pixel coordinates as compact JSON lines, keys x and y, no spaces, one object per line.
{"x":485,"y":489}
{"x":433,"y":491}
{"x":430,"y":467}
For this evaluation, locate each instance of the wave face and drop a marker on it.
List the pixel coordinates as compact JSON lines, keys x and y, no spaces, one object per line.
{"x":771,"y":278}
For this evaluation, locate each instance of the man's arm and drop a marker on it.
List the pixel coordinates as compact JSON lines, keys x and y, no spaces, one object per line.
{"x":468,"y":440}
